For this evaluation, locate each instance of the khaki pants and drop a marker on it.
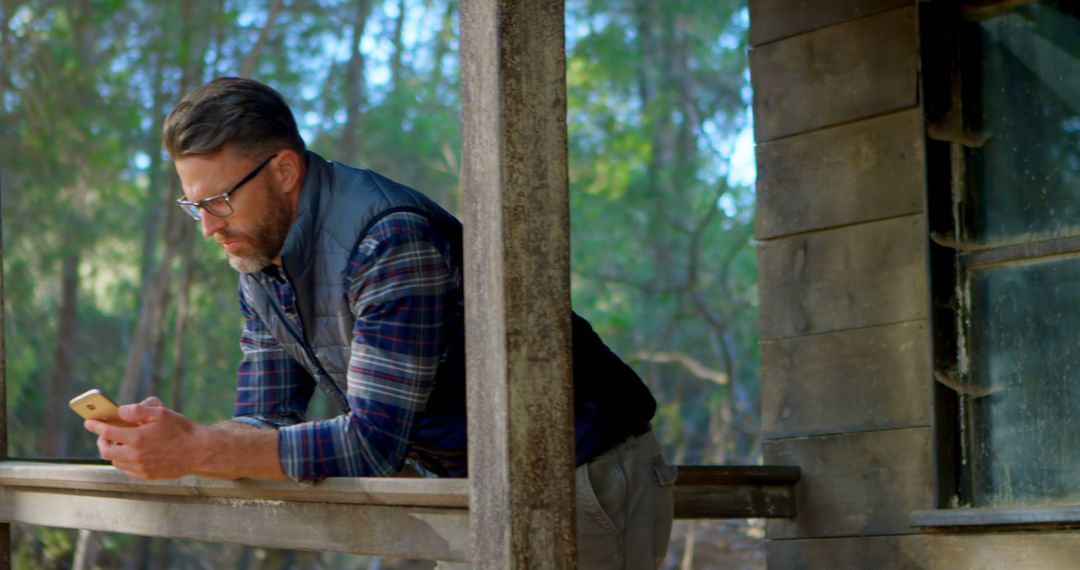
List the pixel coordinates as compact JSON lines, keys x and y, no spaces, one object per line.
{"x":624,"y":508}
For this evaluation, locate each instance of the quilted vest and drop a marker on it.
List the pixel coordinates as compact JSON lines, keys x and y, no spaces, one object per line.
{"x":337,"y":207}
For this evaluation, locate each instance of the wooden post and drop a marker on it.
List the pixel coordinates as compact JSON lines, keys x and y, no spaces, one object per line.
{"x":517,"y":262}
{"x":5,"y":529}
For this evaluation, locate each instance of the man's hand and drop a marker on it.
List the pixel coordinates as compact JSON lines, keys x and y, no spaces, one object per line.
{"x":163,"y":444}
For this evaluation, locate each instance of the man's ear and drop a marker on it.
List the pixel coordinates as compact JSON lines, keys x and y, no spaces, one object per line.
{"x":289,"y":170}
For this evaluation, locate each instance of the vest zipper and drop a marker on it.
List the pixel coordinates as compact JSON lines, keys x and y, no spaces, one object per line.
{"x":322,"y":379}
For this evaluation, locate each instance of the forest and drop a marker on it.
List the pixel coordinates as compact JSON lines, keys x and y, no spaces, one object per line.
{"x":108,"y":285}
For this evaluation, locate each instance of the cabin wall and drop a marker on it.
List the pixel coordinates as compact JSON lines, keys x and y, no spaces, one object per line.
{"x":847,"y":372}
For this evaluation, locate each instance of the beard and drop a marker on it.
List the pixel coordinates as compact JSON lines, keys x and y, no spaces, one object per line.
{"x":265,"y":239}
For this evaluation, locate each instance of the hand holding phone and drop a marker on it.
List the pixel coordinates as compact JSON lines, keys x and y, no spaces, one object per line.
{"x":95,"y":405}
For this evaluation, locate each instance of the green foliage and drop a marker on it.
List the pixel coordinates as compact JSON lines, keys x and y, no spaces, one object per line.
{"x":663,"y":261}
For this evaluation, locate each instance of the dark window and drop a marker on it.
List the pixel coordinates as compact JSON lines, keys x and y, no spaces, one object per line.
{"x":1013,"y":129}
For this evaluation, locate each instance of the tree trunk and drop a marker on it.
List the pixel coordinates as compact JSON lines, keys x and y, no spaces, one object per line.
{"x":55,"y":442}
{"x":247,"y":69}
{"x":154,"y":171}
{"x":442,"y":42}
{"x":355,"y":86}
{"x":86,"y":551}
{"x":5,"y":46}
{"x":396,"y":67}
{"x":144,"y":358}
{"x":180,"y":332}
{"x":140,"y":554}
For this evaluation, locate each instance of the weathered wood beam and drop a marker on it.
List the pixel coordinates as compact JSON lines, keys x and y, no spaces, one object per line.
{"x":406,"y":532}
{"x":517,"y":294}
{"x":401,"y":517}
{"x":408,"y":518}
{"x":714,"y":492}
{"x":415,"y":492}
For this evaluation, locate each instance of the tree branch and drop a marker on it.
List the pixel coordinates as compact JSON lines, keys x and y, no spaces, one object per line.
{"x":686,"y":361}
{"x":252,"y":59}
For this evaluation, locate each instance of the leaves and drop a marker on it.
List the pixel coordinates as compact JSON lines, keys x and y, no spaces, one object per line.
{"x":663,"y":259}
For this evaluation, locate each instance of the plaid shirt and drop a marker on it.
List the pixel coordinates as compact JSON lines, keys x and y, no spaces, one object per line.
{"x":402,"y":290}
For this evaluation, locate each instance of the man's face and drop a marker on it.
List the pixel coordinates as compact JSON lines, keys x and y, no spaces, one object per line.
{"x":252,"y":236}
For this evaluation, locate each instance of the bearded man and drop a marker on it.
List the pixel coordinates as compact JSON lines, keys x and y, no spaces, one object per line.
{"x":352,"y":283}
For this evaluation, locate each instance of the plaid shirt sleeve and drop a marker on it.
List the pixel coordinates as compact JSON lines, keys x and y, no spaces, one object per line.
{"x":273,"y":389}
{"x":402,"y":290}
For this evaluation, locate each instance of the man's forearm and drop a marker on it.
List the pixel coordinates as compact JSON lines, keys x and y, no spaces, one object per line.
{"x":233,"y":450}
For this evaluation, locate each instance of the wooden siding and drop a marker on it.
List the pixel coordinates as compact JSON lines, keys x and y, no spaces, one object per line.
{"x":863,"y":171}
{"x":865,"y":483}
{"x":865,"y":379}
{"x":850,"y":277}
{"x":772,"y":20}
{"x":842,"y":73}
{"x":1000,"y":551}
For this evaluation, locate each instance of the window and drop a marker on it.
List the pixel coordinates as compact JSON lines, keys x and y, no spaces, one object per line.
{"x":1010,"y":119}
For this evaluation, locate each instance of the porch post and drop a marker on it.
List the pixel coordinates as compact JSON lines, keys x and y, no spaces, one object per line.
{"x":517,"y":293}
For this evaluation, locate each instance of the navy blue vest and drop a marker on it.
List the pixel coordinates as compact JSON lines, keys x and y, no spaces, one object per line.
{"x":338,"y":205}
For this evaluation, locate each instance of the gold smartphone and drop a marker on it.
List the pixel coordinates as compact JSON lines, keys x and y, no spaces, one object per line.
{"x":95,"y":405}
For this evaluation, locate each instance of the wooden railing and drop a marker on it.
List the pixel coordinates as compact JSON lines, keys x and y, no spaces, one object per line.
{"x":399,"y":517}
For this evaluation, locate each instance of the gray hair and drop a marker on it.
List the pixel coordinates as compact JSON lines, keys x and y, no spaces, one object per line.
{"x":248,"y":114}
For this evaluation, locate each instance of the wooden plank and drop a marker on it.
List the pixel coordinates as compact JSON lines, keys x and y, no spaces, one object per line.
{"x":842,"y":73}
{"x":856,"y":484}
{"x":413,"y":532}
{"x":689,"y":475}
{"x":735,"y":501}
{"x":771,"y":20}
{"x":722,"y":491}
{"x":863,"y":171}
{"x":1001,"y":551}
{"x":851,"y":277}
{"x":517,"y":295}
{"x":383,"y":516}
{"x":857,"y":380}
{"x":704,"y":491}
{"x":939,"y":520}
{"x":452,"y":493}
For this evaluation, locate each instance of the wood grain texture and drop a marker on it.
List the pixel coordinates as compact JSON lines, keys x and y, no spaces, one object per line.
{"x":856,"y":484}
{"x":735,"y":501}
{"x":851,"y":71}
{"x":771,"y":20}
{"x":412,"y":532}
{"x":517,"y":294}
{"x":424,"y":492}
{"x":857,"y":380}
{"x":745,"y":491}
{"x":999,"y":551}
{"x":846,"y":278}
{"x":937,"y":520}
{"x":859,"y":172}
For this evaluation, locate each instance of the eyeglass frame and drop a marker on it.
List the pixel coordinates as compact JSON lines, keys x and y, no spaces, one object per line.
{"x":194,"y":210}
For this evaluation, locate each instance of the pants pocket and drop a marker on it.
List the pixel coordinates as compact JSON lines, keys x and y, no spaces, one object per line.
{"x":663,"y":506}
{"x":600,"y":537}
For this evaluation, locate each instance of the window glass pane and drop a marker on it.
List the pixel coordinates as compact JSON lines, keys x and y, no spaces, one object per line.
{"x":1022,"y":86}
{"x":1026,"y":383}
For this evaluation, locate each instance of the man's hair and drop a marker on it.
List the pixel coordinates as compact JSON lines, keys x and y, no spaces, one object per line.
{"x":249,"y":115}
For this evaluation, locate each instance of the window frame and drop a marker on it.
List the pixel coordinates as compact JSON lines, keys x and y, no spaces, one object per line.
{"x":951,"y":259}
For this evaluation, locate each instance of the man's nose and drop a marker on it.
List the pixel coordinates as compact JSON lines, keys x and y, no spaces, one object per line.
{"x":211,"y":224}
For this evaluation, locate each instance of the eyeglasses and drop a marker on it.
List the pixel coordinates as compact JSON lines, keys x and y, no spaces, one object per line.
{"x":218,"y":205}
